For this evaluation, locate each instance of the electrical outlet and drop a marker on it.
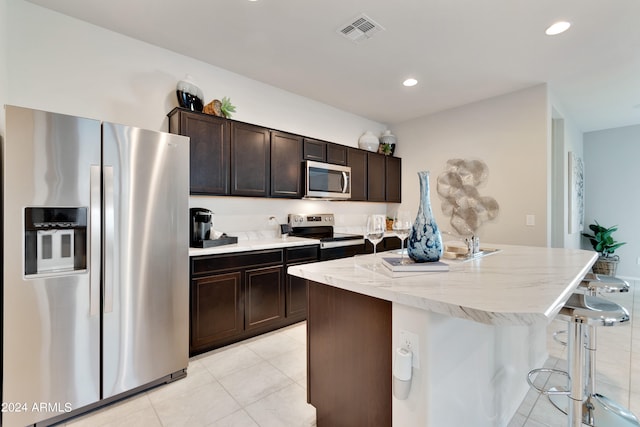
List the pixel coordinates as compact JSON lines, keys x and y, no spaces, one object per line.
{"x":530,"y":220}
{"x":409,"y":340}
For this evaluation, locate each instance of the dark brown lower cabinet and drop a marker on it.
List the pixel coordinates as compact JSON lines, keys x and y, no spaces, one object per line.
{"x":264,"y":297}
{"x":296,"y":296}
{"x":216,"y":308}
{"x":296,"y":287}
{"x":348,"y":358}
{"x":237,"y":296}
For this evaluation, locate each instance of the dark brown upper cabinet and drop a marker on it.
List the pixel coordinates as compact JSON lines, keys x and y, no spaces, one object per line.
{"x":209,"y":150}
{"x":240,"y":159}
{"x":357,"y":160}
{"x":250,"y":160}
{"x":336,"y":154}
{"x":393,"y":180}
{"x":315,"y":150}
{"x":376,"y":177}
{"x":322,"y":151}
{"x":286,"y":165}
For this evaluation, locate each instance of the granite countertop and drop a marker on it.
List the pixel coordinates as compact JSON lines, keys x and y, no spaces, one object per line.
{"x":519,"y":285}
{"x":254,"y":245}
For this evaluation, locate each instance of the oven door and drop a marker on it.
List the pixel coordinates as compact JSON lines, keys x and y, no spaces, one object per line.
{"x":327,"y":181}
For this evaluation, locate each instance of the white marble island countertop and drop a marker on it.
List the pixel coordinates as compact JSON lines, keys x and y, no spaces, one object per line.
{"x":519,"y":285}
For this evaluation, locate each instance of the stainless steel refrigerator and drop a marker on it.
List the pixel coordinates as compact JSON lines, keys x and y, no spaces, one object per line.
{"x":95,"y":272}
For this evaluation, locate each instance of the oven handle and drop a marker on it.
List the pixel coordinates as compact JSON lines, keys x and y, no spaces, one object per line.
{"x":341,"y":243}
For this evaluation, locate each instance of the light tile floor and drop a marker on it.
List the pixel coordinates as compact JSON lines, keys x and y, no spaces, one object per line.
{"x":261,"y":382}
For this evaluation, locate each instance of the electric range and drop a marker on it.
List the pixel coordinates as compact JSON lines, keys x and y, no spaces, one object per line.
{"x":320,"y":227}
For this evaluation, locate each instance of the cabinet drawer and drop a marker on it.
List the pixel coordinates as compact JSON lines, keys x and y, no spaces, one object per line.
{"x":301,"y":254}
{"x":235,"y":261}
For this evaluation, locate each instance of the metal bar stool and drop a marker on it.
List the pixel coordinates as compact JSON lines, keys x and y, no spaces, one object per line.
{"x":597,"y":284}
{"x":595,"y":402}
{"x":583,"y":312}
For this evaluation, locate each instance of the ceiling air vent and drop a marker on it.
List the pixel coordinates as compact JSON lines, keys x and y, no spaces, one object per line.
{"x":360,"y":28}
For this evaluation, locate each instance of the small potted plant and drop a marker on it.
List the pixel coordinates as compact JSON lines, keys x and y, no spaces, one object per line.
{"x":389,"y":223}
{"x":219,"y":108}
{"x":605,"y":245}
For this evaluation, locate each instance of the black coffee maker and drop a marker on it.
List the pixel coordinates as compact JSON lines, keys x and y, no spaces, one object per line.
{"x":201,"y":226}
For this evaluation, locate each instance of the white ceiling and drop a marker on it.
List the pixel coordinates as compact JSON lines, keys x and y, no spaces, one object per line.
{"x":460,"y":50}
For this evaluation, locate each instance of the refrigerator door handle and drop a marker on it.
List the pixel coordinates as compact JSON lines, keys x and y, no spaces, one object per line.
{"x":109,"y":235}
{"x":94,"y":212}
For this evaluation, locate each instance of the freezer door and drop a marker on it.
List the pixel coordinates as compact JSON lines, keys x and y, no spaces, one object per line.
{"x":146,"y":273}
{"x":51,"y":337}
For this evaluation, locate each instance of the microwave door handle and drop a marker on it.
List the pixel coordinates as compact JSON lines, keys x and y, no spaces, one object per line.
{"x":345,"y":181}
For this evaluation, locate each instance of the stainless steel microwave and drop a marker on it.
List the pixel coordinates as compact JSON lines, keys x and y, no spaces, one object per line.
{"x":327,"y":181}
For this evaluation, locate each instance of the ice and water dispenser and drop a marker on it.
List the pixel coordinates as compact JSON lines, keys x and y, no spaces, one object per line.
{"x":55,"y":240}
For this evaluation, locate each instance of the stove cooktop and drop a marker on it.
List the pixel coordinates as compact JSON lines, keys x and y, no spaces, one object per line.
{"x":320,"y":226}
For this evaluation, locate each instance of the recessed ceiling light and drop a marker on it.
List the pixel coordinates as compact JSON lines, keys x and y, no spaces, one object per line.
{"x":410,"y":82}
{"x":557,"y":28}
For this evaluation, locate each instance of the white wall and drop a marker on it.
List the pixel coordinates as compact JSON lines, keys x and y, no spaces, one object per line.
{"x":61,"y":64}
{"x":612,"y":192}
{"x":510,"y":134}
{"x":54,"y":62}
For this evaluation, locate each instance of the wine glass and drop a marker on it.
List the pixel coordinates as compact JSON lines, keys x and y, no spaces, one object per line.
{"x":401,"y":227}
{"x":375,"y":230}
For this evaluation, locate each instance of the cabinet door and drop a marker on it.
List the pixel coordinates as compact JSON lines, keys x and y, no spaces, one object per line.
{"x":286,"y":165}
{"x":296,"y":287}
{"x":336,"y":154}
{"x":357,"y":160}
{"x":315,"y":150}
{"x":376,"y":177}
{"x":393,"y":181}
{"x":216,"y":309}
{"x":250,"y":160}
{"x":296,"y":296}
{"x":264,"y":296}
{"x":209,"y":150}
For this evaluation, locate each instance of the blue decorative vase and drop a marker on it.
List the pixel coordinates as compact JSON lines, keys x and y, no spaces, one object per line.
{"x":425,"y":240}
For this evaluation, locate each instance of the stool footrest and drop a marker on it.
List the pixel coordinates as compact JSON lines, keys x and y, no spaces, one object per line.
{"x":556,"y":337}
{"x":551,"y":371}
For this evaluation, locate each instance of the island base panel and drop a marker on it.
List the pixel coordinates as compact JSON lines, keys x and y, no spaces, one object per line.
{"x":349,"y":358}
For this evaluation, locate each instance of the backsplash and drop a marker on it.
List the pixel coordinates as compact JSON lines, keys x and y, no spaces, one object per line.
{"x":248,"y":218}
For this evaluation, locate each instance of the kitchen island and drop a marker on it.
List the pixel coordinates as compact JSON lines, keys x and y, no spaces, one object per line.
{"x":476,"y":330}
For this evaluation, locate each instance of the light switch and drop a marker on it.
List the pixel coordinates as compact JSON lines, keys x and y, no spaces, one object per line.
{"x":531,"y":220}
